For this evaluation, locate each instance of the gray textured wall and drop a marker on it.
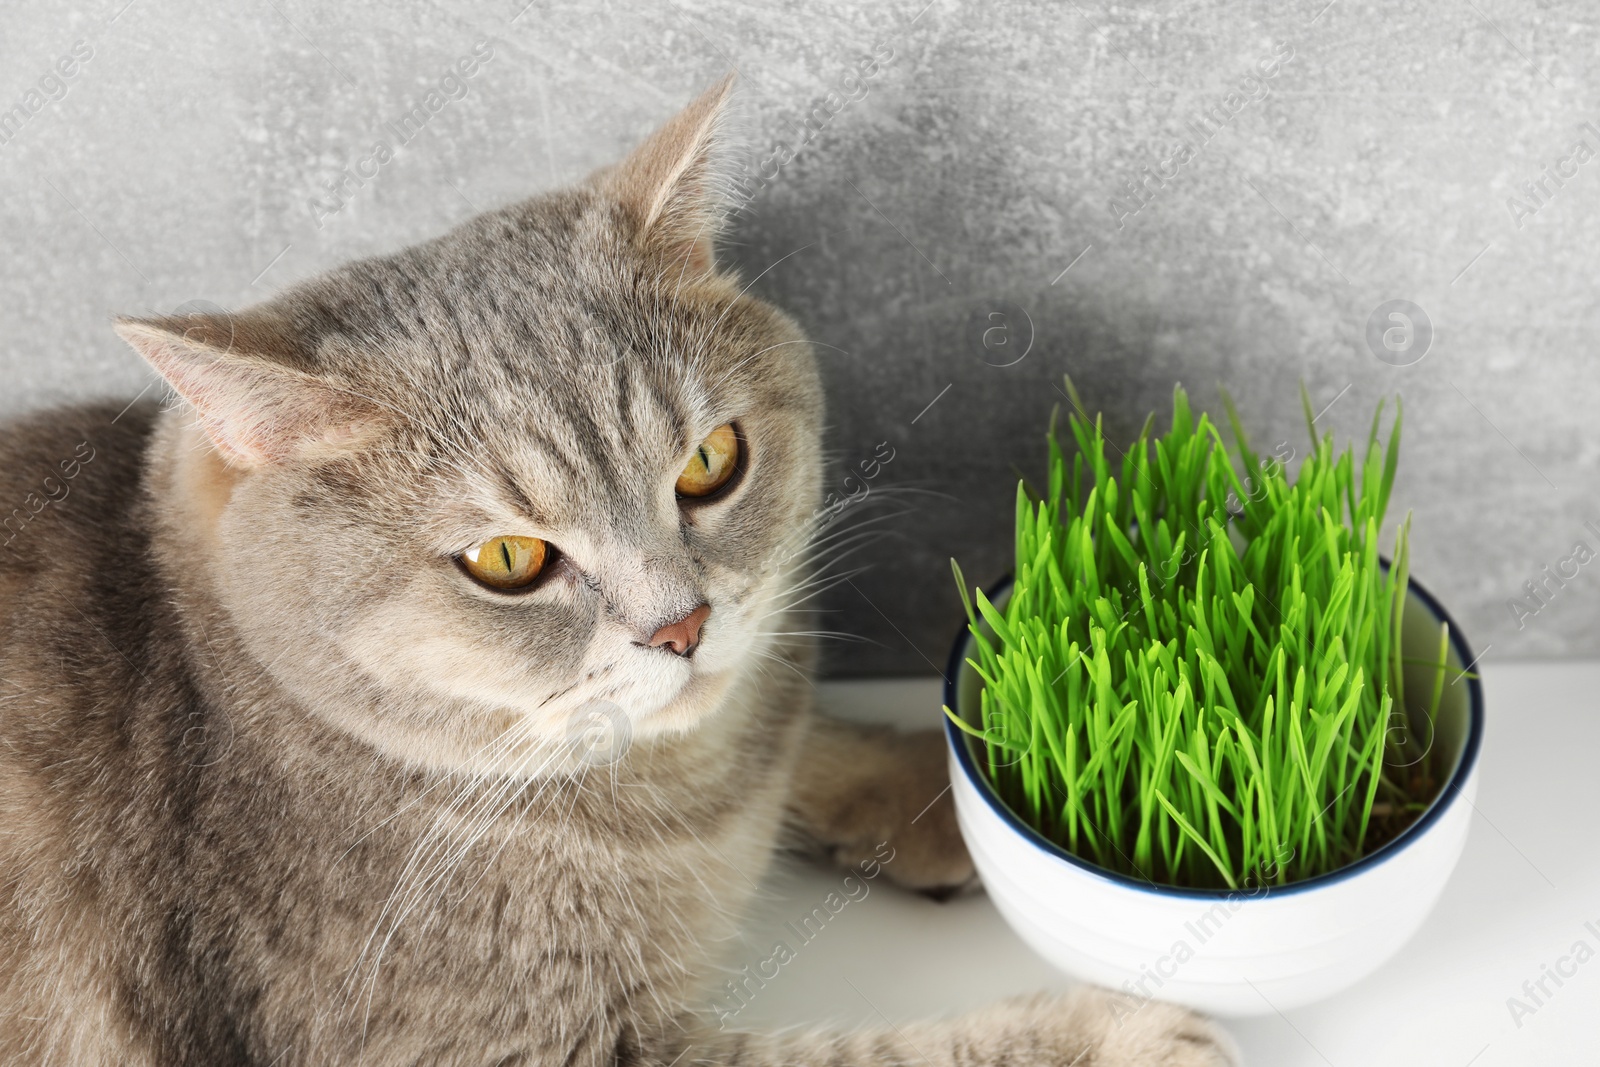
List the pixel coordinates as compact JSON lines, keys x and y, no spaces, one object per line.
{"x":983,"y":166}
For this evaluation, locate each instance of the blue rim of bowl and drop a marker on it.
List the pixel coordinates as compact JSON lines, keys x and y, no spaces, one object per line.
{"x":958,"y":742}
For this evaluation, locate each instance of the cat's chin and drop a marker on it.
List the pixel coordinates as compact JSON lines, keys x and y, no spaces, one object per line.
{"x":699,"y":696}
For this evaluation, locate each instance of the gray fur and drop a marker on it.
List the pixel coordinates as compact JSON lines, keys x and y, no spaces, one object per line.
{"x":280,"y":785}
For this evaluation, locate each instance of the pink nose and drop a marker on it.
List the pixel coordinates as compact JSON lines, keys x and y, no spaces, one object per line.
{"x":682,"y":636}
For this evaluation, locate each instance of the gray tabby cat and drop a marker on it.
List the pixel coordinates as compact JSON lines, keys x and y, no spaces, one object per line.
{"x":426,"y":688}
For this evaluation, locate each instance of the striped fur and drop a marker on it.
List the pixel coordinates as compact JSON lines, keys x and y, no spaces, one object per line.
{"x":280,"y":785}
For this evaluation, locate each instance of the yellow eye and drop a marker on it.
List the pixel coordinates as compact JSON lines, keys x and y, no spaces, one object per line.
{"x":506,"y":562}
{"x":712,"y":464}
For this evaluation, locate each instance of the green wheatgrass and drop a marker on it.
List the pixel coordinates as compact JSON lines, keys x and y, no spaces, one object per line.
{"x":1196,"y":677}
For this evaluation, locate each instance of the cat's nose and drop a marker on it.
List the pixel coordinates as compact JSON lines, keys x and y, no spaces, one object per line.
{"x":682,"y":636}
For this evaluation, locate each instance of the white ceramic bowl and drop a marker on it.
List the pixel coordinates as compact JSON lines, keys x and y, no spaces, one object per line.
{"x":1244,"y":952}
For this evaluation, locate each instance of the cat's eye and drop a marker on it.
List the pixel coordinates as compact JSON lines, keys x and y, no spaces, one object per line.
{"x":509,"y":562}
{"x":713,"y":464}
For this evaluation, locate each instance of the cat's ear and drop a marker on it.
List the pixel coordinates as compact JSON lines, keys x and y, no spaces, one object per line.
{"x":673,"y":187}
{"x":239,"y":374}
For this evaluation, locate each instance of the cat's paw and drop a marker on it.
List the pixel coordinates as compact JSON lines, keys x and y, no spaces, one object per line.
{"x":931,"y":856}
{"x":918,"y":843}
{"x":1117,"y":1030}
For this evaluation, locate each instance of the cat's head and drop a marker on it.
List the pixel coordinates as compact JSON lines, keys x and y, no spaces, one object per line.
{"x":549,"y":469}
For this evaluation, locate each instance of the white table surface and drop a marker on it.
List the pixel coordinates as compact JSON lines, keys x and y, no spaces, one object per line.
{"x":1527,"y":882}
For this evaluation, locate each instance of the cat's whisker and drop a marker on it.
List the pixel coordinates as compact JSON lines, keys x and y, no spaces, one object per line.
{"x":735,"y":301}
{"x":833,"y":635}
{"x":688,"y":827}
{"x":684,"y":257}
{"x":822,"y":563}
{"x":816,"y":589}
{"x":510,"y":834}
{"x":834,"y":547}
{"x":521,"y":776}
{"x":776,"y":658}
{"x":735,"y":368}
{"x":490,"y":751}
{"x":836,"y":527}
{"x":427,"y":846}
{"x":436,"y":877}
{"x":389,"y":810}
{"x":813,"y":562}
{"x":827,"y":572}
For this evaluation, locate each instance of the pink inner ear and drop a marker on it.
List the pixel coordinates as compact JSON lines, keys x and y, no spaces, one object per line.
{"x":237,"y":408}
{"x":270,"y":424}
{"x":254,"y":409}
{"x":246,"y":427}
{"x":669,"y":185}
